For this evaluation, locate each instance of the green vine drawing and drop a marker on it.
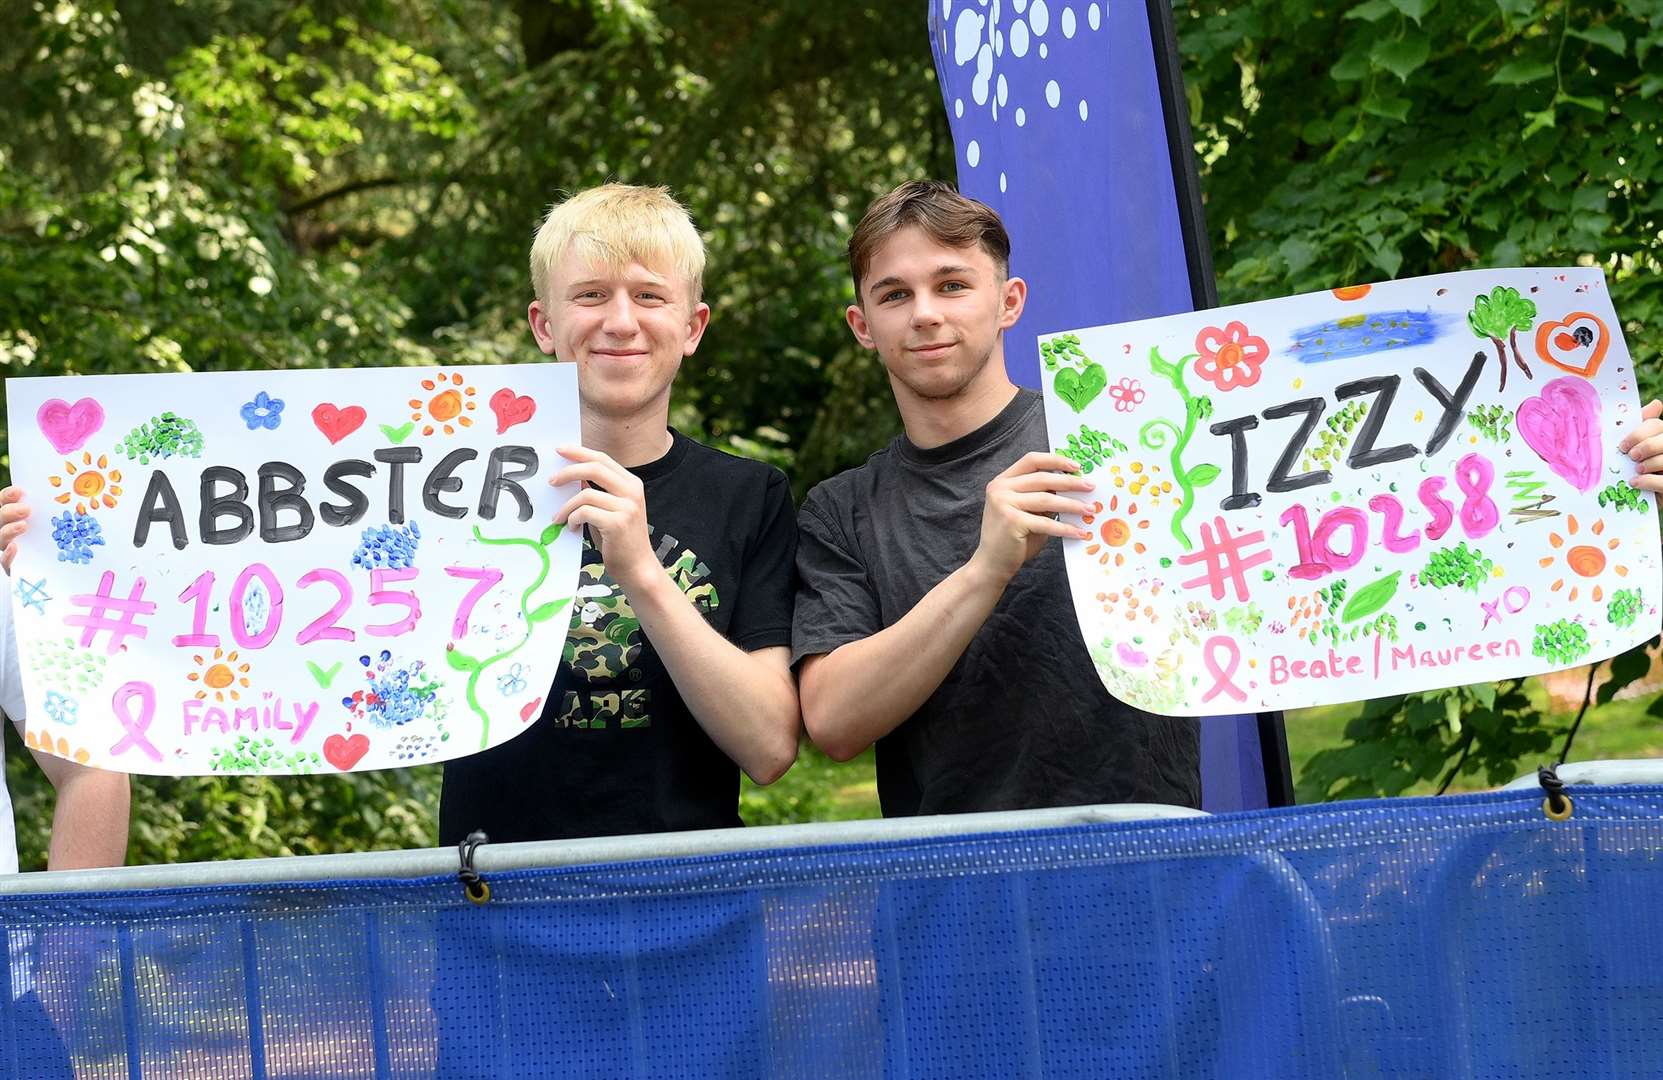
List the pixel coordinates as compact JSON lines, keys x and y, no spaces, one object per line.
{"x":475,"y":668}
{"x":1157,"y":433}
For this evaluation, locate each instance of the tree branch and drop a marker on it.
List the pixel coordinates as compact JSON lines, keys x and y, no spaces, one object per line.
{"x":352,"y":187}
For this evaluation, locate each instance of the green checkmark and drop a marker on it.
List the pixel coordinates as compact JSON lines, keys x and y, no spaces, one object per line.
{"x":398,"y":434}
{"x":323,"y":677}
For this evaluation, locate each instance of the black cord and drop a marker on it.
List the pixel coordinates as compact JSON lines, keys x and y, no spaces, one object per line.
{"x":1466,"y":748}
{"x":472,"y":884}
{"x":1548,"y":777}
{"x":1587,"y":699}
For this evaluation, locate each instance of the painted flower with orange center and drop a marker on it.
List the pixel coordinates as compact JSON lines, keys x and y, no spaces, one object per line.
{"x":90,"y":485}
{"x":449,"y":403}
{"x":220,"y":675}
{"x":1230,"y":357}
{"x":1118,"y":531}
{"x":1583,"y":560}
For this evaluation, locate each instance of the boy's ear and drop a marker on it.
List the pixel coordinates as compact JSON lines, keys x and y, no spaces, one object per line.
{"x":1011,"y":303}
{"x":855,"y":316}
{"x":541,"y":331}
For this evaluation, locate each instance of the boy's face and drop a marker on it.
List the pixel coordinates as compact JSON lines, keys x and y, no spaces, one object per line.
{"x":934,"y":313}
{"x":627,"y":328}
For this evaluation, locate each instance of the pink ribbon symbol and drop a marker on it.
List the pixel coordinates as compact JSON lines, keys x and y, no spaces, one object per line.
{"x":1222,"y":682}
{"x":135,"y":738}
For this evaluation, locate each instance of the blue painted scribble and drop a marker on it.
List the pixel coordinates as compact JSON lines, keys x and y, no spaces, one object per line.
{"x":392,"y":695}
{"x":76,"y":535}
{"x":32,"y":594}
{"x":388,"y":547}
{"x":1363,"y":335}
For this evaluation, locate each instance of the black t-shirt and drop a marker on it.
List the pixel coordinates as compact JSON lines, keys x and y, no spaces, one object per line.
{"x":616,"y":750}
{"x":1022,"y":719}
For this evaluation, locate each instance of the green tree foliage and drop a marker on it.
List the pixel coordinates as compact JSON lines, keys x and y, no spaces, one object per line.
{"x":213,"y":184}
{"x":1385,"y":138}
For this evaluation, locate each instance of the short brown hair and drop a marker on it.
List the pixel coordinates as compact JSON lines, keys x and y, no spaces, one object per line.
{"x":936,"y":207}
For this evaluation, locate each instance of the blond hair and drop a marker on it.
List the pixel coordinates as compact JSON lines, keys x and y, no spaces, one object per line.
{"x":617,"y":224}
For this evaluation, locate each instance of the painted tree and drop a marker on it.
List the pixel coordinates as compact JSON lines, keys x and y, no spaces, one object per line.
{"x":1504,"y":311}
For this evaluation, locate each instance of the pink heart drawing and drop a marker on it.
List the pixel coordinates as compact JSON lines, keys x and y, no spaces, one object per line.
{"x":68,"y":427}
{"x":511,"y":409}
{"x":529,"y":709}
{"x":344,"y":753}
{"x":1562,"y":425}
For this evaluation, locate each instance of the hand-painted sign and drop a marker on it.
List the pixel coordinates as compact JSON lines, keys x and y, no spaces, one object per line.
{"x":290,"y":572}
{"x":1356,"y":493}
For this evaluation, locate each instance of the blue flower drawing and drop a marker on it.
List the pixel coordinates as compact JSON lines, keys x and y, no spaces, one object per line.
{"x":264,"y":411}
{"x":61,"y":709}
{"x":512,"y":681}
{"x":76,"y":535}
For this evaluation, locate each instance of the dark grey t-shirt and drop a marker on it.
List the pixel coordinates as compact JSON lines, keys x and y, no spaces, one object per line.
{"x":1022,"y":719}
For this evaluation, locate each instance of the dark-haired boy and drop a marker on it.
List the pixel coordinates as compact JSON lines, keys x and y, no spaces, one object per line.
{"x":933,"y":615}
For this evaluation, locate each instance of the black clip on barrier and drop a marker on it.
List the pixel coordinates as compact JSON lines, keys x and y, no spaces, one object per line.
{"x":474,"y":887}
{"x":1557,"y":805}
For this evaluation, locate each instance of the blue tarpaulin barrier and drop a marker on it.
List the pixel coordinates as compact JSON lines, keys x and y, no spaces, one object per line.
{"x":1457,"y":937}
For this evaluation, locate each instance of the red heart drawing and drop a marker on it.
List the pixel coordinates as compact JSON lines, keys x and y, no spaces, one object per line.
{"x":344,"y":753}
{"x":530,"y":710}
{"x":511,"y":409}
{"x":68,"y":427}
{"x":337,"y":424}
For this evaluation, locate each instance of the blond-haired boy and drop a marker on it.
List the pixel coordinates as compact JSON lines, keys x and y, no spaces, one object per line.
{"x":676,"y":668}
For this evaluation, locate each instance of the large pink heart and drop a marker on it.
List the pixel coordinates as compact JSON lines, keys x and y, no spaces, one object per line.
{"x":68,"y":427}
{"x":1562,"y":425}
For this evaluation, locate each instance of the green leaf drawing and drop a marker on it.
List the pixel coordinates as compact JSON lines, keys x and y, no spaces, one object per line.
{"x":1204,"y":474}
{"x":460,"y":661}
{"x":550,"y":534}
{"x":1371,"y":598}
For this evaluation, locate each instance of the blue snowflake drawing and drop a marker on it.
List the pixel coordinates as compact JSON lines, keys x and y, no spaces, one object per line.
{"x":388,"y":547}
{"x":512,"y":681}
{"x":76,"y":535}
{"x":61,"y":709}
{"x":264,"y":411}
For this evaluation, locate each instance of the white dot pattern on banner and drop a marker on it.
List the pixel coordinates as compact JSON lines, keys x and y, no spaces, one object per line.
{"x":1001,"y":182}
{"x":979,"y":32}
{"x":973,"y":153}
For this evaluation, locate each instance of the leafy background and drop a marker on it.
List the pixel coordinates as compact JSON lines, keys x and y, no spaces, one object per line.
{"x":214,"y":184}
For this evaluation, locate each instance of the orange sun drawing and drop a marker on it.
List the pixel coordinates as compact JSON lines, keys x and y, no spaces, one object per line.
{"x":221,"y":676}
{"x":1584,"y":560}
{"x":1117,"y":532}
{"x":449,"y":405}
{"x":90,"y":486}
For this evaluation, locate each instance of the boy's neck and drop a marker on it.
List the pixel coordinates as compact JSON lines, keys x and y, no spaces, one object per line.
{"x":631,"y":441}
{"x":935,"y":422}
